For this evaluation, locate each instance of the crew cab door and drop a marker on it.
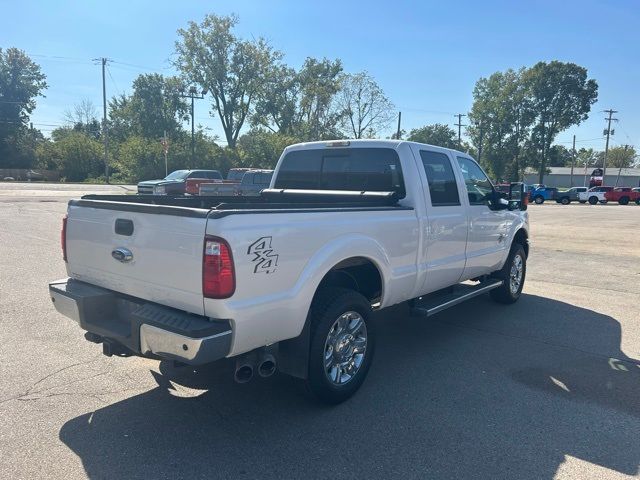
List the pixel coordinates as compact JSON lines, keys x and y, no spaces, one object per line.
{"x":488,"y":228}
{"x":444,"y":223}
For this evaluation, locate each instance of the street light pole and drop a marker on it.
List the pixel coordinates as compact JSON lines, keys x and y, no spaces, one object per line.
{"x":193,"y":94}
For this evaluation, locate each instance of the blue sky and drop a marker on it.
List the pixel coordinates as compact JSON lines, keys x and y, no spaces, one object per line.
{"x":426,"y":55}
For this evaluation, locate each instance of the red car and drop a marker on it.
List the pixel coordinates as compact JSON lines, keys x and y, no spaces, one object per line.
{"x":623,"y":195}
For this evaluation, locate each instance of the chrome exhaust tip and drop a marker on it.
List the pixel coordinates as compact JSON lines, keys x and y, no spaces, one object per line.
{"x":267,"y":365}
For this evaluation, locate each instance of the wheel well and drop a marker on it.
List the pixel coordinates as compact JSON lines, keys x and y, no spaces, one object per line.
{"x":522,"y":238}
{"x":356,"y":273}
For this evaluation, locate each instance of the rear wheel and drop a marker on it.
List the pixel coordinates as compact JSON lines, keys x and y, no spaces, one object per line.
{"x":604,"y":202}
{"x":342,"y":344}
{"x":624,"y":201}
{"x":539,"y":199}
{"x":593,"y":200}
{"x":512,"y":275}
{"x":638,"y":201}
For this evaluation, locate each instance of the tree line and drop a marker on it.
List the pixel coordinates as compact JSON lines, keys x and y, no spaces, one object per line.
{"x":263,"y":105}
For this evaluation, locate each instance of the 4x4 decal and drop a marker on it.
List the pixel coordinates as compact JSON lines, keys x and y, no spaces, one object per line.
{"x":264,"y":258}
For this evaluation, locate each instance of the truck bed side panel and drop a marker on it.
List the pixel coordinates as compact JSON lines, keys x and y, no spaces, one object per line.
{"x":280,"y":259}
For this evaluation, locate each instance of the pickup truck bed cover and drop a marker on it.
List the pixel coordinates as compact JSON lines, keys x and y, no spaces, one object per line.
{"x":271,"y":200}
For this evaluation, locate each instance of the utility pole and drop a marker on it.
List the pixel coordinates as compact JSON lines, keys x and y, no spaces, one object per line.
{"x":193,"y":94}
{"x":573,"y":159}
{"x":105,"y":128}
{"x":480,"y":141}
{"x":459,"y":125}
{"x":398,"y":133}
{"x":542,"y":160}
{"x":607,"y":132}
{"x":626,"y":147}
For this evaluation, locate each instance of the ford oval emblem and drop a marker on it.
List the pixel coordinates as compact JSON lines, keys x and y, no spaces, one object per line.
{"x":121,"y":254}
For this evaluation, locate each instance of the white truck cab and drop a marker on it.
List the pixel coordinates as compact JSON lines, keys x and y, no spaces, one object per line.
{"x":288,"y":280}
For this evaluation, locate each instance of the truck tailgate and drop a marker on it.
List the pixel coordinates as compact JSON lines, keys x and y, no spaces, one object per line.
{"x":165,"y":245}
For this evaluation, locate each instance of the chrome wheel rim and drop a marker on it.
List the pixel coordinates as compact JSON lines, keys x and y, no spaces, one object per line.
{"x":345,"y":347}
{"x":515,"y":275}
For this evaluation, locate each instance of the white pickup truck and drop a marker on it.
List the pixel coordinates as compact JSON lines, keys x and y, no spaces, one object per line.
{"x":288,"y":280}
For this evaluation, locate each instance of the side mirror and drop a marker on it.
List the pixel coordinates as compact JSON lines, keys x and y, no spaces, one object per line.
{"x":518,"y":196}
{"x":498,"y":201}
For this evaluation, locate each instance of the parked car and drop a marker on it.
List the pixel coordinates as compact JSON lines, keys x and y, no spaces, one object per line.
{"x":179,"y":182}
{"x":254,"y":181}
{"x":235,"y":174}
{"x":623,"y":195}
{"x":540,"y":194}
{"x":594,"y":195}
{"x":290,"y":279}
{"x":565,"y":197}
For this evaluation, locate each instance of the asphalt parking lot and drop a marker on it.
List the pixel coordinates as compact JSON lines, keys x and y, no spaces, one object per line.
{"x":546,"y":388}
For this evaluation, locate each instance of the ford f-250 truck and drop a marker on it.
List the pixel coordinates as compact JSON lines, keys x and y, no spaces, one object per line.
{"x":289,"y":279}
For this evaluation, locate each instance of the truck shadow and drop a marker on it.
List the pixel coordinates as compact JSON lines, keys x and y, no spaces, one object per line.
{"x":481,"y":391}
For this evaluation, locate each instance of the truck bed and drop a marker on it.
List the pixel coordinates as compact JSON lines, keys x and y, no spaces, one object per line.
{"x":269,"y":201}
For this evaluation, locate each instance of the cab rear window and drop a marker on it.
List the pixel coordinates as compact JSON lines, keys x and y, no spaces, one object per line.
{"x":359,"y":169}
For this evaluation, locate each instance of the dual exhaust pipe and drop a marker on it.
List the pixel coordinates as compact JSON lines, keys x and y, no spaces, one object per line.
{"x":261,"y":361}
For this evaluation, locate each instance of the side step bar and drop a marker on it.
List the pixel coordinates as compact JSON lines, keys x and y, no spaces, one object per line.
{"x":430,"y":306}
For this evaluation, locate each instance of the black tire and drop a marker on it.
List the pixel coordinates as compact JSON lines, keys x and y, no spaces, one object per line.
{"x":538,"y":200}
{"x":638,"y":201}
{"x":582,"y":201}
{"x":624,"y":201}
{"x":604,"y":202}
{"x":593,"y":200}
{"x":565,"y":201}
{"x":504,"y":293}
{"x":328,"y":307}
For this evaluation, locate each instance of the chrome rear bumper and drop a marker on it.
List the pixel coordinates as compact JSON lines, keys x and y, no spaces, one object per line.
{"x":140,"y":326}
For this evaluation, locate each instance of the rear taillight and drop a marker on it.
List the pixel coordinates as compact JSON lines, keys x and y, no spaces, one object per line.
{"x":218,"y":277}
{"x":63,"y":238}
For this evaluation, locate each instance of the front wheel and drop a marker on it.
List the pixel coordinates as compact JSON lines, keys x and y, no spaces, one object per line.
{"x":582,"y":201}
{"x":624,"y":201}
{"x":539,"y":200}
{"x":593,"y":200}
{"x":342,"y":344}
{"x":512,"y":275}
{"x":565,"y":201}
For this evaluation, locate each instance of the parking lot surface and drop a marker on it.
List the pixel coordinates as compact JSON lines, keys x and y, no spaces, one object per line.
{"x":546,"y":388}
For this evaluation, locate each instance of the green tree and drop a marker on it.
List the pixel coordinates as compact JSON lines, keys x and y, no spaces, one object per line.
{"x":366,"y":109}
{"x":154,"y":107}
{"x":77,"y":155}
{"x":500,"y":121}
{"x":233,"y":70}
{"x":84,"y":118}
{"x":261,"y":148}
{"x":21,"y":82}
{"x":561,"y":96}
{"x":437,"y":134}
{"x":559,"y":156}
{"x":621,"y":157}
{"x":301,"y":104}
{"x":318,"y":117}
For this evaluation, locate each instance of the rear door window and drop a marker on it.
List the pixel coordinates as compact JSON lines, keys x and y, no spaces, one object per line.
{"x":442,"y":181}
{"x":359,"y":169}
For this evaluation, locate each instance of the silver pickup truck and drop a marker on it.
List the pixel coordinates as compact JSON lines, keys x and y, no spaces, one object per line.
{"x":288,"y":280}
